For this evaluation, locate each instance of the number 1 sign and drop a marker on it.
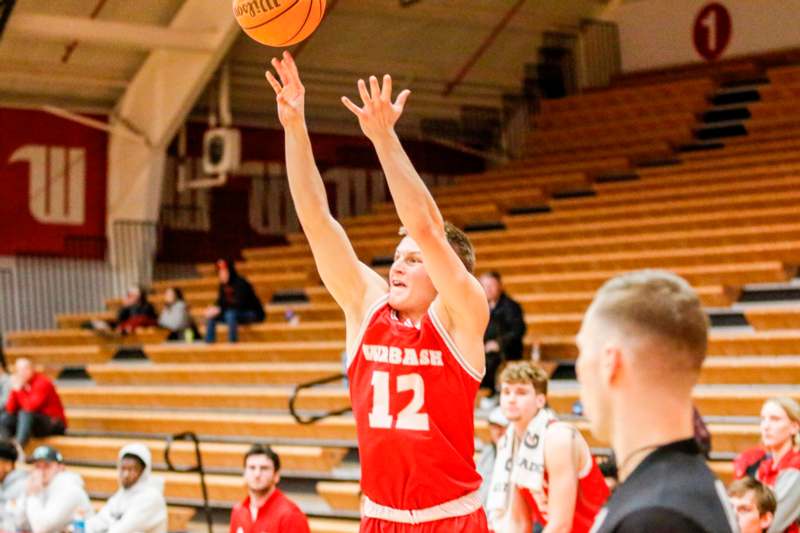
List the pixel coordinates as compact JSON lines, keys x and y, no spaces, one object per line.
{"x":712,"y":31}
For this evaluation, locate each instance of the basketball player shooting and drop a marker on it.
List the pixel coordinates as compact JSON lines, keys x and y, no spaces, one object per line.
{"x":415,"y":345}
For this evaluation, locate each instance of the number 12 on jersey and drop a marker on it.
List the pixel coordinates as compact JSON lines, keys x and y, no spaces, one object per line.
{"x":409,"y":417}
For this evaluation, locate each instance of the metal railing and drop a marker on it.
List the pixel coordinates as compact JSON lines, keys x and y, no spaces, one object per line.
{"x":305,"y":420}
{"x":198,"y":467}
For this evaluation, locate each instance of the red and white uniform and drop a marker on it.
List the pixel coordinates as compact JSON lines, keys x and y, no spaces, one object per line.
{"x":592,"y":495}
{"x":413,"y":397}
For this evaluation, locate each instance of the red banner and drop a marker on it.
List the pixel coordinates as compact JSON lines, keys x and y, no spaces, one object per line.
{"x":53,"y":185}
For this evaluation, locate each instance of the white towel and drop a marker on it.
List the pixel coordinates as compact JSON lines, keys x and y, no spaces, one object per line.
{"x":525,"y":468}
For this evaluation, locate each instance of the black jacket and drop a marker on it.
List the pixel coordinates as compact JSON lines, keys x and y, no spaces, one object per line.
{"x":507,"y":327}
{"x":143,"y":307}
{"x":242,"y":297}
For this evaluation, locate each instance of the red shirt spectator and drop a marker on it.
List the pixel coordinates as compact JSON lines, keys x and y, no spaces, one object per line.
{"x":266,"y":509}
{"x":776,"y":462}
{"x":278,"y":515}
{"x":38,"y":395}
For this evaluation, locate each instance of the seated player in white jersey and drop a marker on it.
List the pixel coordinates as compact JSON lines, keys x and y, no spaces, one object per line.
{"x":415,"y":345}
{"x":544,"y":471}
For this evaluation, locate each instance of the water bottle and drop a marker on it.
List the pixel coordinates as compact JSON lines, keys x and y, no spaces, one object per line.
{"x":79,"y":522}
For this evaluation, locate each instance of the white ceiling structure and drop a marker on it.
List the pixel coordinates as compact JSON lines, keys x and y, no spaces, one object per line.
{"x":81,"y":55}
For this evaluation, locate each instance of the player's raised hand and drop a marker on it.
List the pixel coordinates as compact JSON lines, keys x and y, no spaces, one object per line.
{"x":289,"y":90}
{"x":379,"y":114}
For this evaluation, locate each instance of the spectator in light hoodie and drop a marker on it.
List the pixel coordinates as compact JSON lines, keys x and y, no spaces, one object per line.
{"x":54,"y":496}
{"x":138,"y":506}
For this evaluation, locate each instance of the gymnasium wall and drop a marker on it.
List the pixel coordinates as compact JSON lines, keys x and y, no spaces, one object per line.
{"x":663,"y":33}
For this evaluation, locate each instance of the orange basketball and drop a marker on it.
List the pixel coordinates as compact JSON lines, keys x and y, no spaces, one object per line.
{"x":278,"y":22}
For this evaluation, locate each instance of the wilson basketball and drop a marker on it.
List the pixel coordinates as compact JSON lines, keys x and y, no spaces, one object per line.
{"x":279,"y":22}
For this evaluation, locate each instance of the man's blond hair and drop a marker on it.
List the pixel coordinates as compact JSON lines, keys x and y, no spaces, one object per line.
{"x":660,"y":304}
{"x":525,"y":372}
{"x":459,"y":242}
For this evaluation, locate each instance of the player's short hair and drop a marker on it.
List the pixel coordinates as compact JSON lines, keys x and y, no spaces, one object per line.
{"x":263,"y":449}
{"x":658,"y":303}
{"x":525,"y":372}
{"x":459,"y":242}
{"x":765,"y":498}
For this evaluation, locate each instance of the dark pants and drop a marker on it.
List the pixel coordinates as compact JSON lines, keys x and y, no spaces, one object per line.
{"x":493,"y":362}
{"x":23,"y":424}
{"x":232,"y":318}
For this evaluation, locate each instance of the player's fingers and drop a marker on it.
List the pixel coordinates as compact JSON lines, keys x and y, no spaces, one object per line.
{"x":290,"y":64}
{"x":375,"y":89}
{"x":280,"y":69}
{"x":402,"y":98}
{"x":351,"y":106}
{"x":386,"y":90}
{"x":362,"y":90}
{"x":273,"y":82}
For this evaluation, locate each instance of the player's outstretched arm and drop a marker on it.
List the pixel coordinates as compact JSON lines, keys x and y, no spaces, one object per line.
{"x":351,"y":283}
{"x":460,"y":294}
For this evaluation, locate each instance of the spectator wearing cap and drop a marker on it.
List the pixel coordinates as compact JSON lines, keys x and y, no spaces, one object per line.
{"x":485,"y":463}
{"x":266,"y":508}
{"x":12,"y":480}
{"x":237,"y":303}
{"x":33,"y":407}
{"x":138,"y":506}
{"x":54,"y":496}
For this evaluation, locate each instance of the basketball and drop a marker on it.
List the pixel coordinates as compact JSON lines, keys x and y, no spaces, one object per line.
{"x":278,"y":22}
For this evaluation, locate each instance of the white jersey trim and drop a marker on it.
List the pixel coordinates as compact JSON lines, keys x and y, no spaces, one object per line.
{"x":463,"y":506}
{"x":451,"y":345}
{"x":379,"y":303}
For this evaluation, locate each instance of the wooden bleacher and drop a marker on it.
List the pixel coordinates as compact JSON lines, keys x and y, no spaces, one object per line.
{"x":725,"y":219}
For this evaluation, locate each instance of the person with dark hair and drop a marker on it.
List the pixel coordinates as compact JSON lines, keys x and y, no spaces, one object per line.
{"x":138,"y":506}
{"x":266,"y":508}
{"x":176,"y":318}
{"x":506,"y":329}
{"x":136,"y":312}
{"x":237,"y":303}
{"x":754,"y":504}
{"x":33,"y":407}
{"x":12,"y":480}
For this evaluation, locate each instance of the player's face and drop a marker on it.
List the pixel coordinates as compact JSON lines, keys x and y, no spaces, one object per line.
{"x":776,"y":426}
{"x":519,"y":401}
{"x":593,"y":393}
{"x":747,"y":514}
{"x":260,"y":475}
{"x":410,"y":287}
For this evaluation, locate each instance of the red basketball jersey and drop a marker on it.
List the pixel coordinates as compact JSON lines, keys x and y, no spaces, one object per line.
{"x":592,"y":495}
{"x":413,"y":397}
